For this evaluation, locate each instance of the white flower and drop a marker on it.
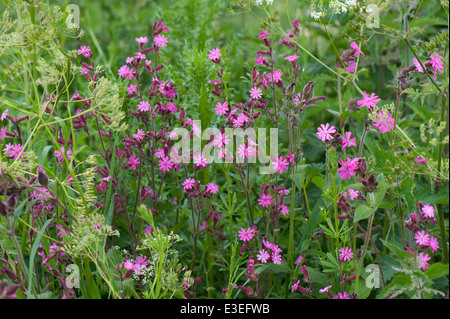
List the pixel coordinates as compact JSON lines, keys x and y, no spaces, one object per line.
{"x":316,"y":15}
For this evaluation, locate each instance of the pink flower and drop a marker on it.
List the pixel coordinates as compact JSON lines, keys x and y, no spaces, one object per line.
{"x":384,"y":122}
{"x":128,"y":265}
{"x":143,"y":106}
{"x":423,"y":260}
{"x":347,"y":141}
{"x":353,"y":194}
{"x":256,"y":93}
{"x":295,"y":286}
{"x":325,"y":131}
{"x":221,"y":109}
{"x":260,"y":59}
{"x":437,"y":64}
{"x":132,"y":88}
{"x":346,"y":254}
{"x":139,"y":136}
{"x":133,"y":162}
{"x":292,"y":58}
{"x":214,"y":54}
{"x":141,"y":261}
{"x":243,"y":151}
{"x":299,"y":259}
{"x":212,"y":188}
{"x":275,"y":76}
{"x":148,"y":230}
{"x":357,"y":49}
{"x":165,"y":164}
{"x":85,"y":50}
{"x":263,"y":256}
{"x":59,"y":155}
{"x":351,"y":66}
{"x":126,"y":72}
{"x":159,"y":153}
{"x":263,"y":34}
{"x":348,"y":169}
{"x":142,"y":40}
{"x":434,"y":244}
{"x":161,"y":40}
{"x":200,"y":161}
{"x":265,"y":200}
{"x":188,"y":184}
{"x":4,"y":114}
{"x":276,"y":258}
{"x":422,"y":238}
{"x":280,"y":164}
{"x":428,"y":211}
{"x":62,"y":230}
{"x":3,"y":133}
{"x":325,"y":289}
{"x":418,"y":66}
{"x":221,"y":140}
{"x":342,"y":296}
{"x":246,"y":235}
{"x":369,"y":101}
{"x":284,"y":210}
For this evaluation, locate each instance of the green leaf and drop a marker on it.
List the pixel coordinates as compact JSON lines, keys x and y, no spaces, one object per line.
{"x":437,"y":270}
{"x":362,"y":212}
{"x":397,"y":251}
{"x":298,"y":180}
{"x":400,"y":281}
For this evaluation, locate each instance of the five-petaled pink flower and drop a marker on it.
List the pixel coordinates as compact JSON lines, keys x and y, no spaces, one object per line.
{"x":133,"y":162}
{"x":369,"y":101}
{"x":263,"y":256}
{"x":161,"y":40}
{"x":188,"y":184}
{"x":246,"y":235}
{"x":346,"y":254}
{"x":165,"y":163}
{"x":428,"y":211}
{"x":422,"y":238}
{"x":143,"y":106}
{"x":295,"y":286}
{"x":85,"y":50}
{"x":212,"y":188}
{"x":324,"y":132}
{"x":265,"y":200}
{"x":434,"y":244}
{"x":263,"y":34}
{"x":384,"y":121}
{"x":221,"y":108}
{"x":423,"y":258}
{"x":141,"y":40}
{"x":348,"y":168}
{"x":280,"y":164}
{"x":347,"y":141}
{"x":256,"y":93}
{"x":214,"y":54}
{"x":126,"y":72}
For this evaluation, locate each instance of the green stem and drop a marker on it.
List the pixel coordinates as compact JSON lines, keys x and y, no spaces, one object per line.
{"x":366,"y":243}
